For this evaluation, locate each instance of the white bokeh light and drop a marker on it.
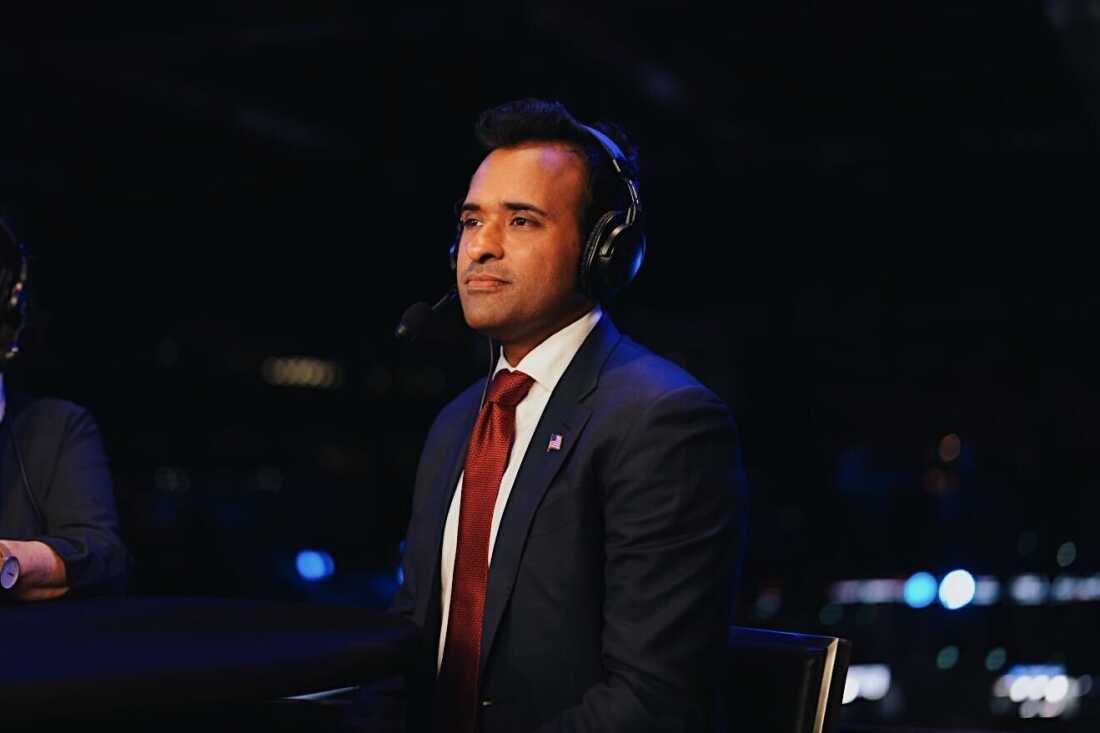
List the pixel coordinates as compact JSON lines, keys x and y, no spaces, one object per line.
{"x":957,"y":589}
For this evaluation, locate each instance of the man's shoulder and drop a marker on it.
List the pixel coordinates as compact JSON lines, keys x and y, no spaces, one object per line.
{"x":635,"y":373}
{"x":48,"y":411}
{"x":466,"y":400}
{"x":462,"y":406}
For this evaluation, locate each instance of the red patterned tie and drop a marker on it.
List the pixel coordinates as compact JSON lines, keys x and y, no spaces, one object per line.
{"x":486,"y":458}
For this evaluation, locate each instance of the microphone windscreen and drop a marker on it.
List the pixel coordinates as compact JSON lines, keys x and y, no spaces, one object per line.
{"x":416,"y":315}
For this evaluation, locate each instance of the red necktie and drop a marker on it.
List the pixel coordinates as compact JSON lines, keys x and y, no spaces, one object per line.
{"x":486,"y":458}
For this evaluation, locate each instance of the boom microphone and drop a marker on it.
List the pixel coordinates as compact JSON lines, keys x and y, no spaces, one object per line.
{"x":418,"y":314}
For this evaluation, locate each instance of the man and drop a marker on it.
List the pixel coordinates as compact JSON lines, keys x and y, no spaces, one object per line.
{"x":573,"y":540}
{"x":58,"y":524}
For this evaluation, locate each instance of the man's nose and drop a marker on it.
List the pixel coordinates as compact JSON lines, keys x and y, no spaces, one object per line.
{"x":484,"y":242}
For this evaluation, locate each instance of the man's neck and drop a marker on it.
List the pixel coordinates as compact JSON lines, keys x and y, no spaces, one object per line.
{"x":515,"y":351}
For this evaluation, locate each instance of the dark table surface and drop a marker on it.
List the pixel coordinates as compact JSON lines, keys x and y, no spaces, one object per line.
{"x":81,"y":659}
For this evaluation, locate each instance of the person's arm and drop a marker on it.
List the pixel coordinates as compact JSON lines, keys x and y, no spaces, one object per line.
{"x":404,"y":601}
{"x":41,"y":571}
{"x":672,"y":503}
{"x":80,"y":520}
{"x":402,"y":702}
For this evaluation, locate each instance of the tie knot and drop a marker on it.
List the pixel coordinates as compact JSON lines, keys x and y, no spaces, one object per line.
{"x":509,"y":388}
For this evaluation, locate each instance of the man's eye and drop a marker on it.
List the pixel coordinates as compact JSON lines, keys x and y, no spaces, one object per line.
{"x":522,"y":221}
{"x":467,"y":223}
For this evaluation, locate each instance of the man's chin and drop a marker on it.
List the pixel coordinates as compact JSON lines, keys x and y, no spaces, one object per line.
{"x":488,"y":324}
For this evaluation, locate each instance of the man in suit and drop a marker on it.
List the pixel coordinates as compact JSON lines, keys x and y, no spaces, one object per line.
{"x":576,"y":522}
{"x":59,"y":529}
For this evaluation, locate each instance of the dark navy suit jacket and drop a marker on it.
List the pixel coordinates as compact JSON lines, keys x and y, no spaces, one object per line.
{"x":70,"y":478}
{"x":612,"y":576}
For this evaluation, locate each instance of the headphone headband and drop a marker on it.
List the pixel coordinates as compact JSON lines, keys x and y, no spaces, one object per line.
{"x":619,"y":163}
{"x":618,"y":160}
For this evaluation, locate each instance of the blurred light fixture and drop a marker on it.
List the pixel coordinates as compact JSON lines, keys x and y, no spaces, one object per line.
{"x":302,"y":371}
{"x":947,"y":657}
{"x":767,"y":603}
{"x":987,"y":591}
{"x":957,"y":589}
{"x":1029,"y":590}
{"x":995,"y":659}
{"x":314,"y":565}
{"x":920,"y":590}
{"x":1067,"y":553}
{"x":866,"y":681}
{"x":950,"y":448}
{"x":1041,"y":690}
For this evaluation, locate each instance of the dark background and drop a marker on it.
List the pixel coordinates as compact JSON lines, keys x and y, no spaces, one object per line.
{"x":871,"y":225}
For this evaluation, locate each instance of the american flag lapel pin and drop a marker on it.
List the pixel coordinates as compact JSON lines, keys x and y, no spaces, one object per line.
{"x":555,"y":442}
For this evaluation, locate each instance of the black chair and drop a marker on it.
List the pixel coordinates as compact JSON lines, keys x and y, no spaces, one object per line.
{"x":780,"y":682}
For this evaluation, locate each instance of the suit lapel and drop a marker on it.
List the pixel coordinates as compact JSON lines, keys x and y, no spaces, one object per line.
{"x":564,"y":415}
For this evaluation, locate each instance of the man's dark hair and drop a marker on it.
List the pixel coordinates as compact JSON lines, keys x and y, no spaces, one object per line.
{"x":536,"y":120}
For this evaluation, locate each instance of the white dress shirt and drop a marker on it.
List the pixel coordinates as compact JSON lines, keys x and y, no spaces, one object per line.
{"x":545,"y":364}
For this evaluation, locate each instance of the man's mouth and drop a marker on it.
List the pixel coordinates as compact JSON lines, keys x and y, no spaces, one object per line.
{"x":484,"y":283}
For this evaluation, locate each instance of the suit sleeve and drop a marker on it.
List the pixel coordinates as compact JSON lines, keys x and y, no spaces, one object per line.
{"x":406,"y":698}
{"x":404,"y":602}
{"x":672,"y":504}
{"x":78,"y":504}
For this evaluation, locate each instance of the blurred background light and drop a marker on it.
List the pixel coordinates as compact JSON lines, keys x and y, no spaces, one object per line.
{"x":920,"y":590}
{"x":1029,"y":590}
{"x":950,"y":447}
{"x":1067,"y":553}
{"x":947,"y":657}
{"x":302,"y":371}
{"x":867,"y":681}
{"x":987,"y":591}
{"x":995,"y":660}
{"x":314,"y":565}
{"x":957,"y":589}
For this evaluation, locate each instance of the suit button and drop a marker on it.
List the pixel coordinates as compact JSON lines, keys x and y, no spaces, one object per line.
{"x":486,"y":703}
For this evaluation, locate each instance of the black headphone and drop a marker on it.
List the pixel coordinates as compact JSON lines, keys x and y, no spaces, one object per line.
{"x":615,"y":248}
{"x":13,"y":309}
{"x":13,"y":294}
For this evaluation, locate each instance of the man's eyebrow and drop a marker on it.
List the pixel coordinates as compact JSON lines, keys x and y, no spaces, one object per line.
{"x":523,"y":206}
{"x":510,"y":205}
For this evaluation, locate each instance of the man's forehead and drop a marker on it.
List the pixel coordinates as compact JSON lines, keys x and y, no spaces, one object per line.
{"x":529,"y":171}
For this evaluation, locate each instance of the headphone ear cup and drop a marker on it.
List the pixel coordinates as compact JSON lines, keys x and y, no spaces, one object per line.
{"x":6,"y":344}
{"x":621,"y":257}
{"x":13,"y":308}
{"x":613,"y":255}
{"x":590,"y":275}
{"x":9,"y":339}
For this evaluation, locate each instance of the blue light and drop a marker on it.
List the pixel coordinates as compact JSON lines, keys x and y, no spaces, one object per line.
{"x":957,"y":589}
{"x":920,"y":590}
{"x":315,"y":564}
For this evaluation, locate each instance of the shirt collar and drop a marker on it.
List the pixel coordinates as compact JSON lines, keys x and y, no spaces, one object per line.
{"x":547,"y":362}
